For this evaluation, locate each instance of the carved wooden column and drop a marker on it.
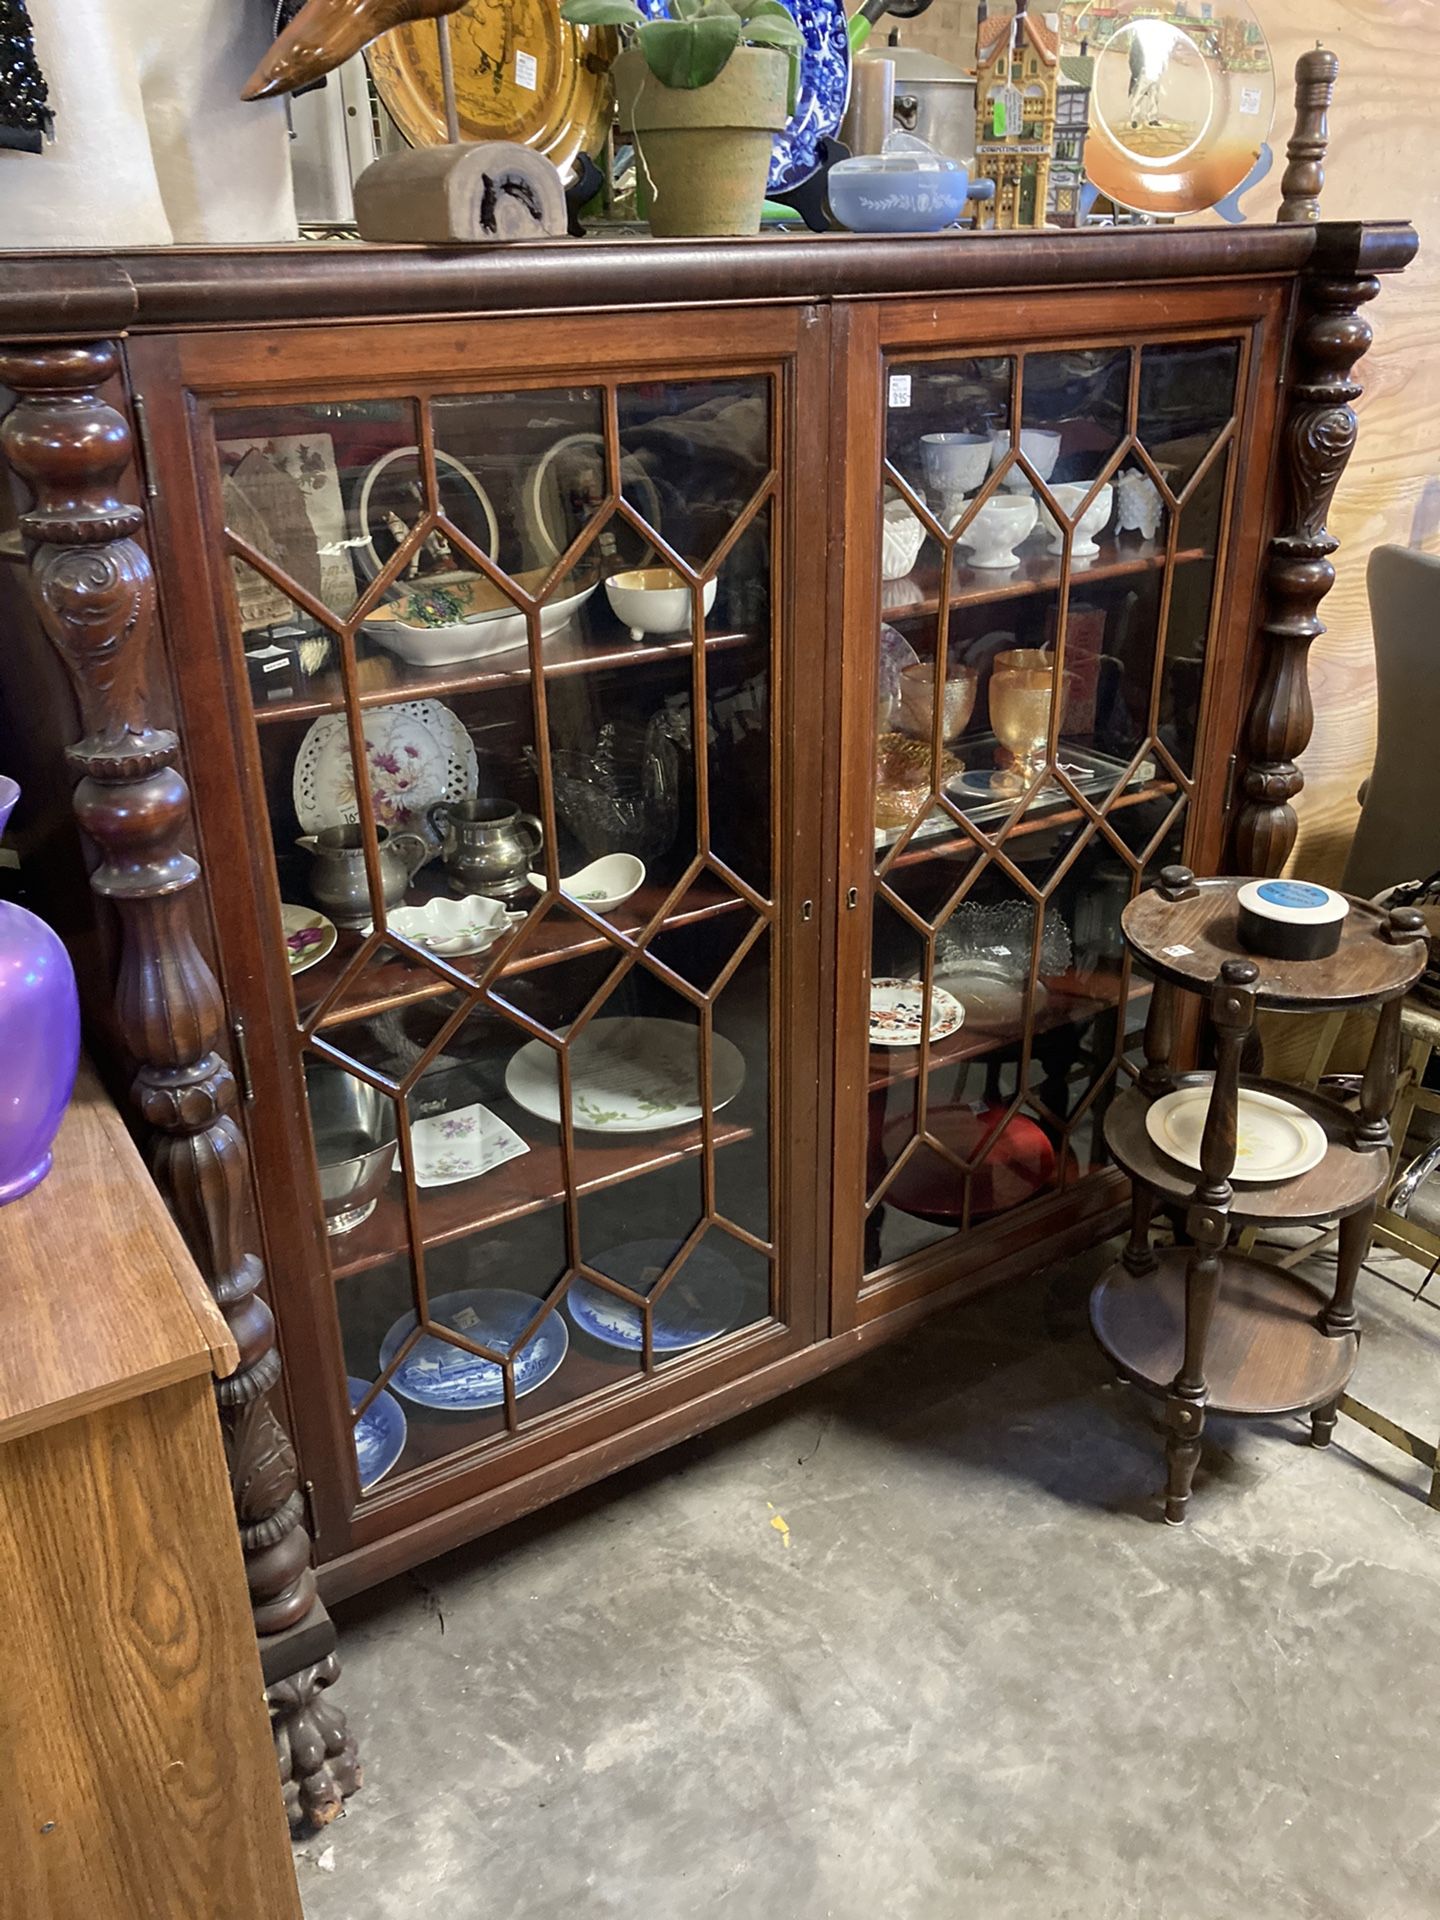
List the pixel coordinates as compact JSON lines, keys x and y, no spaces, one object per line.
{"x":1318,"y":436}
{"x":95,"y":593}
{"x":1304,"y":176}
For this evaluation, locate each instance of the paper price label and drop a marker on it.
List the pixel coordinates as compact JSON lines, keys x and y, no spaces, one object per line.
{"x":900,"y":389}
{"x":527,"y":71}
{"x":1250,"y":100}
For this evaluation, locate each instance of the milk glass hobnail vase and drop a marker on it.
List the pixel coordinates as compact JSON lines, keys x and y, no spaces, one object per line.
{"x":39,"y":1037}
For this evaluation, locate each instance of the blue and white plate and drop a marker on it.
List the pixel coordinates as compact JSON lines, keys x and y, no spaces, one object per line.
{"x":436,"y":1374}
{"x":379,"y":1433}
{"x":823,"y":93}
{"x":706,"y":1297}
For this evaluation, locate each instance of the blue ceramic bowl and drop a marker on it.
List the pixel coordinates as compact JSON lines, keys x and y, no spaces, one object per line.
{"x":897,"y":193}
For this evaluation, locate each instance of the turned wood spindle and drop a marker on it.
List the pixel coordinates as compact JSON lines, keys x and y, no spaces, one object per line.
{"x":1377,"y":1088}
{"x":1232,"y":1014}
{"x":1157,"y":1076}
{"x":1304,"y":176}
{"x":1139,"y":1256}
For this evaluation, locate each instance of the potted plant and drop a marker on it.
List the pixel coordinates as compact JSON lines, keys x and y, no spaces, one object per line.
{"x":703,"y":94}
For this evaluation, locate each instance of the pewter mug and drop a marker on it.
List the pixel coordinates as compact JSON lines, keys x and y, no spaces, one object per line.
{"x":337,"y":879}
{"x":490,"y":846}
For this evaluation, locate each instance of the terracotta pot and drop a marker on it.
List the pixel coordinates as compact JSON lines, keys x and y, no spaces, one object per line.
{"x":705,"y":151}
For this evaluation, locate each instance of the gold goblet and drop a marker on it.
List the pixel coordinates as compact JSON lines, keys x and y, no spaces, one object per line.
{"x":1020,"y":702}
{"x":917,"y":699}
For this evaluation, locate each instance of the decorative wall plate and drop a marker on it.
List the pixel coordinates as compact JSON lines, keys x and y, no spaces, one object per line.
{"x":570,"y":475}
{"x":309,"y":936}
{"x":627,"y":1075}
{"x":419,"y":753}
{"x":704,"y":1299}
{"x":436,"y":1374}
{"x":392,"y":500}
{"x":450,"y":1147}
{"x":380,"y":1433}
{"x":897,"y":1013}
{"x":823,"y":93}
{"x":1179,"y":108}
{"x":1275,"y":1140}
{"x":521,"y":73}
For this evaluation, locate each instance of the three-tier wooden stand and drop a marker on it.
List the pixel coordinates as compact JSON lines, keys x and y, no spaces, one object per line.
{"x":1198,"y":1325}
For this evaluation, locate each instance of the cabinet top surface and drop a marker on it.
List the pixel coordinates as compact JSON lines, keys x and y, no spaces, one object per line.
{"x":88,"y":292}
{"x":101,"y":1301}
{"x":1187,"y":941}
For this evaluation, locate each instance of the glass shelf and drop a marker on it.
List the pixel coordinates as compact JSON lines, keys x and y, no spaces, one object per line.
{"x":918,"y":594}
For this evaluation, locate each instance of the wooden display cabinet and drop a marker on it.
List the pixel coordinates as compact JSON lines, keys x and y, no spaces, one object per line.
{"x":684,"y":1240}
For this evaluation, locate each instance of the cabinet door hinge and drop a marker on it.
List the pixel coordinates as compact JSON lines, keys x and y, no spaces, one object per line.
{"x":307,"y":1489}
{"x":147,"y":451}
{"x":242,"y":1059}
{"x":1230,"y":770}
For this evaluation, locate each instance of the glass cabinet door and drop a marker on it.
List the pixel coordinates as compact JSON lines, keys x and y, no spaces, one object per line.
{"x":531,"y":942}
{"x":1051,"y":529}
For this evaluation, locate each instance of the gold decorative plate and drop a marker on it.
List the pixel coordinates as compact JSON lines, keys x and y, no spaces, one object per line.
{"x":521,"y":73}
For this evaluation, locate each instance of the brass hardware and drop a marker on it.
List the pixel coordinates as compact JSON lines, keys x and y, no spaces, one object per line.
{"x":147,"y":451}
{"x":852,"y":899}
{"x":242,"y":1060}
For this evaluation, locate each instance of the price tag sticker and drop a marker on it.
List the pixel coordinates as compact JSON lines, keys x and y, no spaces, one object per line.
{"x":900,"y":389}
{"x":527,"y":70}
{"x":1177,"y":953}
{"x":465,"y":1319}
{"x":1250,"y":100}
{"x":1012,"y":109}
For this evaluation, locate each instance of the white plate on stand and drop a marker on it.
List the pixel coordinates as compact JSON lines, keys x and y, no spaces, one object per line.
{"x":1275,"y":1140}
{"x":627,"y":1075}
{"x":419,"y":753}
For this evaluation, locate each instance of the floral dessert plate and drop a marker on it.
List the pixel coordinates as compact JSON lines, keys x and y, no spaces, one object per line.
{"x":379,"y":1432}
{"x":418,"y":752}
{"x":1274,"y":1139}
{"x":436,"y":1373}
{"x":457,"y":1146}
{"x":309,"y":936}
{"x":897,"y":1013}
{"x":704,"y":1299}
{"x":451,"y":927}
{"x":631,"y":1075}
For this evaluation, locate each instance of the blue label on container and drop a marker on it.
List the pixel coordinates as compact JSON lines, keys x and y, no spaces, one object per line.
{"x":1291,"y":893}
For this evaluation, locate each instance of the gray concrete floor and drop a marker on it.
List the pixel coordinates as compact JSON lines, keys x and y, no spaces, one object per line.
{"x":973,"y":1677}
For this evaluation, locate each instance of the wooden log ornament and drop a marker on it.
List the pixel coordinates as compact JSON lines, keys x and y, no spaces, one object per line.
{"x":488,"y":190}
{"x":92,"y":583}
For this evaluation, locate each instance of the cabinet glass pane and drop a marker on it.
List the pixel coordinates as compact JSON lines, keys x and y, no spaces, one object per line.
{"x":531,"y":951}
{"x":1044,"y":620}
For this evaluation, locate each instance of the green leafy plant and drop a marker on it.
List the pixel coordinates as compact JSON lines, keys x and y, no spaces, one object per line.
{"x":692,"y":46}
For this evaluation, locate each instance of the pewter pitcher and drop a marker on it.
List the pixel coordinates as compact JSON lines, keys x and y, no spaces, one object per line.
{"x":337,"y":879}
{"x":490,"y":846}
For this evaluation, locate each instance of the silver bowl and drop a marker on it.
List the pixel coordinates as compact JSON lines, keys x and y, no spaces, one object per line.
{"x":354,"y":1131}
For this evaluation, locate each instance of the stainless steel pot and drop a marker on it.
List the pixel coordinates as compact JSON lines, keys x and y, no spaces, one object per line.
{"x":933,"y":100}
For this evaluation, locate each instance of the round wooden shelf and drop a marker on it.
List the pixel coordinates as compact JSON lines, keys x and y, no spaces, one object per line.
{"x":1187,"y":941}
{"x":1265,"y":1354}
{"x":1347,"y":1179}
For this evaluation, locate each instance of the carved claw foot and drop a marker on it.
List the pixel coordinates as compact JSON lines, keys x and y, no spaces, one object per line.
{"x":314,"y":1749}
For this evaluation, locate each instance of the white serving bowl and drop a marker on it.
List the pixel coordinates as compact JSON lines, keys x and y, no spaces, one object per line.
{"x":454,"y":926}
{"x":903,"y":538}
{"x":654,"y":600}
{"x":998,"y":528}
{"x":1068,"y":495}
{"x":955,"y":463}
{"x":464,"y":619}
{"x":602,"y":886}
{"x":1040,"y":448}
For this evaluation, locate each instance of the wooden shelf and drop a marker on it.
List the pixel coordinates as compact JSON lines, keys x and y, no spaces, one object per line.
{"x":397,"y":981}
{"x":918,"y":593}
{"x":1348,"y":1178}
{"x":526,"y":1185}
{"x":387,"y":679}
{"x":1265,"y":1353}
{"x":1070,"y":1000}
{"x":1037,"y":818}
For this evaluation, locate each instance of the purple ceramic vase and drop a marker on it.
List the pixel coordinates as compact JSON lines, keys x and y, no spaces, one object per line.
{"x":39,"y":1037}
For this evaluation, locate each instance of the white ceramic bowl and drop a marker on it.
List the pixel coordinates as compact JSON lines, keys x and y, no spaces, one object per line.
{"x":999,"y":527}
{"x":453,"y":926}
{"x":465,"y":620}
{"x":955,"y":463}
{"x":903,"y":538}
{"x":1068,"y":495}
{"x":1040,"y":448}
{"x":654,"y":600}
{"x":602,"y":886}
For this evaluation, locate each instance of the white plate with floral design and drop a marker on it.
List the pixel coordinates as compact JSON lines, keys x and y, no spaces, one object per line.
{"x":309,"y":936}
{"x":419,"y":753}
{"x":632,"y":1075}
{"x":457,"y":1146}
{"x":449,"y":927}
{"x":897,"y":1013}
